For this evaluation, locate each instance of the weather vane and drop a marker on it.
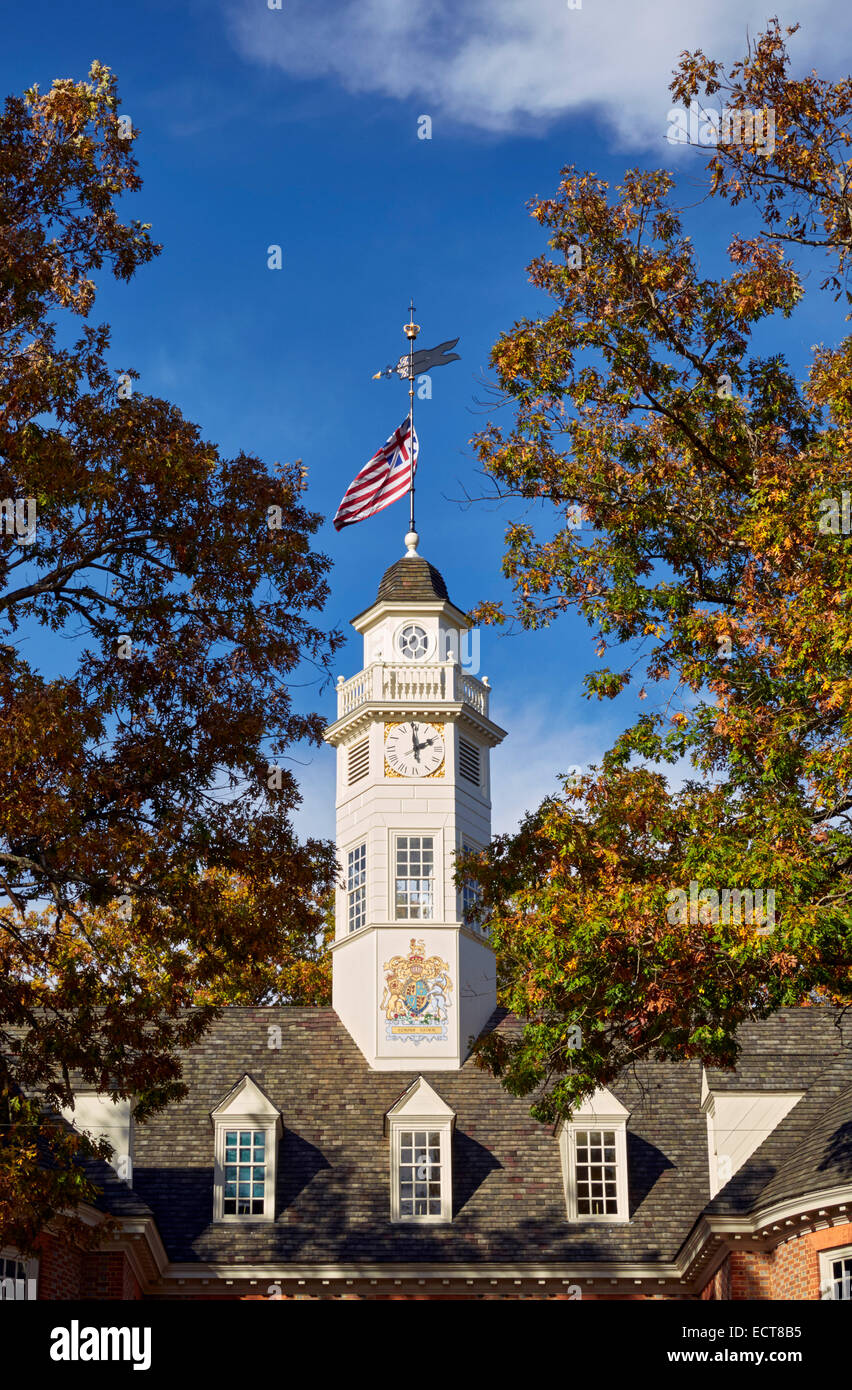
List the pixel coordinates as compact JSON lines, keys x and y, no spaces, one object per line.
{"x":411,"y":365}
{"x":390,"y":472}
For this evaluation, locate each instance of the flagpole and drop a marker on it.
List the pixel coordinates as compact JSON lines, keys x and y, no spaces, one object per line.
{"x":411,"y":329}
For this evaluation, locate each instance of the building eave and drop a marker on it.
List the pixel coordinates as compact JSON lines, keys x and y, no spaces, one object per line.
{"x":379,"y":609}
{"x":373,"y":710}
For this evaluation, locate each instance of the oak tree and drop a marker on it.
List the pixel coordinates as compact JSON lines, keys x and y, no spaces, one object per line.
{"x":156,"y":601}
{"x":712,"y":563}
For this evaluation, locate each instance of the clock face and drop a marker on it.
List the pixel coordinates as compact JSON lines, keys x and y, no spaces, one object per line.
{"x":414,"y":749}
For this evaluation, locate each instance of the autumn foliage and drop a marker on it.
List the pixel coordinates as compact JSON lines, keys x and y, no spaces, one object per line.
{"x":153,"y":619}
{"x":712,"y":564}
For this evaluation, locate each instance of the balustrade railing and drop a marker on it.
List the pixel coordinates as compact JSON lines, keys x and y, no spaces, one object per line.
{"x":409,"y":683}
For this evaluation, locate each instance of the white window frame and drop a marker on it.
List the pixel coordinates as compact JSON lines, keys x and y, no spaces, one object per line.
{"x":246,"y":1107}
{"x":359,"y":888}
{"x":468,"y":887}
{"x":602,"y":1112}
{"x":29,"y":1292}
{"x":398,"y":658}
{"x":436,"y":836}
{"x":826,"y":1279}
{"x":428,"y":1125}
{"x":421,"y":1108}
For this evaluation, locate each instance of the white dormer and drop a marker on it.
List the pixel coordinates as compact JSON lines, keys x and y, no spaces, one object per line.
{"x":247,"y":1128}
{"x":420,"y":1127}
{"x":101,"y":1117}
{"x":737,"y":1124}
{"x":593,"y":1148}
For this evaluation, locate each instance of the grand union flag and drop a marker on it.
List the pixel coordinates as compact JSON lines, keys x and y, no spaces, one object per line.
{"x":385,"y":478}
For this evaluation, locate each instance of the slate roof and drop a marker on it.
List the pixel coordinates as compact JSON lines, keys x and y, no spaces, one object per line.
{"x":412,"y":580}
{"x":333,"y":1192}
{"x":811,"y":1150}
{"x":116,"y":1196}
{"x":333,"y":1181}
{"x":786,"y":1052}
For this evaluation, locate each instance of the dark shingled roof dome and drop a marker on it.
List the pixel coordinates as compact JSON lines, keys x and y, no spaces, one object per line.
{"x":412,"y":579}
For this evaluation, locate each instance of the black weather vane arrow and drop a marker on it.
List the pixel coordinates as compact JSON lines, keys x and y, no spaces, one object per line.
{"x":422,"y":361}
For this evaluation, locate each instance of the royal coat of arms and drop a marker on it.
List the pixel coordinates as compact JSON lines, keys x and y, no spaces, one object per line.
{"x":417,"y":994}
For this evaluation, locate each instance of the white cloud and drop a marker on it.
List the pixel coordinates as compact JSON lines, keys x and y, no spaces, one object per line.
{"x":547,"y":742}
{"x":503,"y":65}
{"x":544,"y":743}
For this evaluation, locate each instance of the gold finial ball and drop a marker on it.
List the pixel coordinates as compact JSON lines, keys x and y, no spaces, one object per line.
{"x":411,"y":329}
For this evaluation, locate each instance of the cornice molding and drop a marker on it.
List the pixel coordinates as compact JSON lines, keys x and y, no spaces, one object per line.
{"x":380,"y":711}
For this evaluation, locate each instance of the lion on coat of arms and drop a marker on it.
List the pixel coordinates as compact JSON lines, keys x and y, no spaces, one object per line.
{"x":417,"y":987}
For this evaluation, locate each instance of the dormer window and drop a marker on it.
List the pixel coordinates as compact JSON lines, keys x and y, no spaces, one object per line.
{"x":737,"y":1124}
{"x":247,"y":1129}
{"x":421,"y":1130}
{"x":101,"y":1117}
{"x":594,"y":1160}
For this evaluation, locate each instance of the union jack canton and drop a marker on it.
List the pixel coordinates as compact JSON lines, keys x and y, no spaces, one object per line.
{"x":383,"y":480}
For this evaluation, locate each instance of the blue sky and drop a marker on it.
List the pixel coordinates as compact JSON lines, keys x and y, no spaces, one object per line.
{"x":298,"y":127}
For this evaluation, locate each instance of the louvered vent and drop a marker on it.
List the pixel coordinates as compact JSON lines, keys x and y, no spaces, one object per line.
{"x":469,"y":761}
{"x":359,"y":761}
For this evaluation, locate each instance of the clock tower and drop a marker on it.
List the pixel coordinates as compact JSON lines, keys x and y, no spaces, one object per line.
{"x":412,"y":982}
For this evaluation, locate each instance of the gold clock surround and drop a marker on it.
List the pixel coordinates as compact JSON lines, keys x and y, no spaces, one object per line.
{"x":439,"y":770}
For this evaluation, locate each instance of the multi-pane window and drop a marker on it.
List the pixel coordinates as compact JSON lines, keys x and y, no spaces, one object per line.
{"x":419,"y":1173}
{"x":245,"y":1172}
{"x":421,"y":1177}
{"x":470,"y":890}
{"x":415,"y":876}
{"x":595,"y":1172}
{"x":356,"y":886}
{"x":14,"y":1284}
{"x":840,"y":1275}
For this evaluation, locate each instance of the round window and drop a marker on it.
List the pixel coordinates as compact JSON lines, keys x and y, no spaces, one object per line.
{"x":413,"y":642}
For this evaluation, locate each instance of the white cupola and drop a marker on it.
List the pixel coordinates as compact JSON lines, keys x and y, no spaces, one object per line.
{"x":412,"y":982}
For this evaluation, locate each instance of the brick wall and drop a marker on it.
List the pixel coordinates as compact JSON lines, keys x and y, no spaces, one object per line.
{"x":108,"y":1276}
{"x":790,"y":1271}
{"x":719,"y":1287}
{"x":59,"y":1269}
{"x":67,"y":1272}
{"x":796,"y":1267}
{"x":751,"y":1274}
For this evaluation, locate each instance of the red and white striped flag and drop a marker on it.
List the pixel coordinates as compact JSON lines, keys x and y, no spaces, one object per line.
{"x":381,"y":481}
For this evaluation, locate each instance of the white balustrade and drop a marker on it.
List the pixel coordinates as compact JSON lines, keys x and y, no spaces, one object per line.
{"x":414,"y":681}
{"x":409,"y":683}
{"x":474,"y":693}
{"x":353,"y":693}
